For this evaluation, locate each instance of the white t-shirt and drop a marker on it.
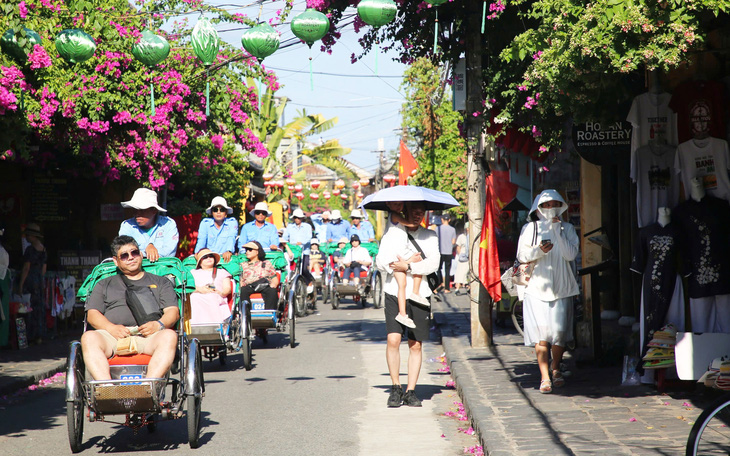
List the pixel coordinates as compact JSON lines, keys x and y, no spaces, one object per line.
{"x":657,"y":185}
{"x":707,"y":159}
{"x":653,"y":121}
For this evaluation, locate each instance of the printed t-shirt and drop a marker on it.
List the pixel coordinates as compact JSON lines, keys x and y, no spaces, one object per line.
{"x":708,"y":160}
{"x":657,"y":185}
{"x":700,"y":105}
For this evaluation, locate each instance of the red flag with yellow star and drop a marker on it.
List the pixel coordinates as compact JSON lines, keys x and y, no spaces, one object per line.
{"x":489,"y":273}
{"x":406,"y":164}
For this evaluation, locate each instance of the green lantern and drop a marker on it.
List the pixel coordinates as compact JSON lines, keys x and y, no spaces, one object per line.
{"x":75,"y":45}
{"x":151,"y":50}
{"x":377,"y":12}
{"x":260,"y":41}
{"x":310,"y":26}
{"x":205,"y":46}
{"x":11,"y":46}
{"x":436,"y":3}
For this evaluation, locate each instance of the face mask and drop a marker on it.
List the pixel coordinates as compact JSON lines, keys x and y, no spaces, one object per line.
{"x":550,"y":213}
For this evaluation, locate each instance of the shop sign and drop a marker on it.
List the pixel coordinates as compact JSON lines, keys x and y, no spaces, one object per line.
{"x":111,"y":212}
{"x":49,"y":200}
{"x":459,"y":86}
{"x":599,"y":143}
{"x":78,"y":263}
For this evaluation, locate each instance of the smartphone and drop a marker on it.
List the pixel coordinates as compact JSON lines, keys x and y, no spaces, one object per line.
{"x":545,"y":242}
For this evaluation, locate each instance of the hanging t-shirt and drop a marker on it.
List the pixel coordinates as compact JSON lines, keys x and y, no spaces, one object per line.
{"x":655,"y":256}
{"x":705,"y":227}
{"x":653,"y":120}
{"x":708,"y":160}
{"x":700,"y":106}
{"x":657,"y":184}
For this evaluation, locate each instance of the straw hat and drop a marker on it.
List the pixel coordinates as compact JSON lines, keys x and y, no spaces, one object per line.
{"x":143,"y":198}
{"x":33,"y":229}
{"x":219,"y":201}
{"x":261,"y":206}
{"x":199,"y":257}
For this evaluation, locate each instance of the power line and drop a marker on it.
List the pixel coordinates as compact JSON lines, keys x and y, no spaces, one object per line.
{"x":343,"y":107}
{"x":337,"y":74}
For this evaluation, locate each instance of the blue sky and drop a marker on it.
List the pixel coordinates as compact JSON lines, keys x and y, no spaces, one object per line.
{"x":367,"y":105}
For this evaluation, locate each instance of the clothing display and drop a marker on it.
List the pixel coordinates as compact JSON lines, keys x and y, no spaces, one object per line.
{"x":700,"y":107}
{"x":653,"y":120}
{"x":705,"y":227}
{"x":708,"y":160}
{"x":657,"y":184}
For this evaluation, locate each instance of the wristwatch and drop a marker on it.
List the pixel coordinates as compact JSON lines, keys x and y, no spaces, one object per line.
{"x":162,"y":325}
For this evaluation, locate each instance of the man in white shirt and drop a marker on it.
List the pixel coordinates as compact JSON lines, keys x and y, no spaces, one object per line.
{"x":421,"y":264}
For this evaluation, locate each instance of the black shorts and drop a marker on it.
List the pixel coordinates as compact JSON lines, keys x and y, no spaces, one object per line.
{"x":421,"y":317}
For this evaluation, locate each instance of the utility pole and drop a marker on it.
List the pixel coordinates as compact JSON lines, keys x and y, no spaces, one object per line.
{"x":481,"y":305}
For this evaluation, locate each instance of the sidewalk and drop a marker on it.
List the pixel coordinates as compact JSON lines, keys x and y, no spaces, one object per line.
{"x":592,"y":414}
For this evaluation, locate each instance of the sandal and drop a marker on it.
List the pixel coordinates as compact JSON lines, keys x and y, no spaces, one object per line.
{"x":546,"y":387}
{"x":558,"y":379}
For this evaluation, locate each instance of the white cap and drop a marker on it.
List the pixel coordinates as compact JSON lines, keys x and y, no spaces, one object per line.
{"x":335,"y":214}
{"x":298,"y":213}
{"x":143,"y":198}
{"x":219,"y":201}
{"x":261,"y":206}
{"x":356,"y":214}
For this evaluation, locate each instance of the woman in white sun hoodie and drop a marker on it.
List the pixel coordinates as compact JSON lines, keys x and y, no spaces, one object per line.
{"x":548,"y":305}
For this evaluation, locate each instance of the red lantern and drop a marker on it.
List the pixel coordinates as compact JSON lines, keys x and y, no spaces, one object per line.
{"x":356,"y":185}
{"x":360,"y":195}
{"x":279,"y":184}
{"x":340,"y":184}
{"x":268,"y":184}
{"x":315,"y":184}
{"x":290,"y":187}
{"x":298,"y":187}
{"x":336,"y":191}
{"x":389,"y":179}
{"x":299,"y":196}
{"x":326,"y":195}
{"x":344,"y":197}
{"x":290,"y":181}
{"x":314,"y":196}
{"x":414,"y":172}
{"x":268,"y":176}
{"x":364,"y":182}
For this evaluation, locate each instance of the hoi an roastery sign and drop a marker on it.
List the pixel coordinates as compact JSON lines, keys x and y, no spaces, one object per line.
{"x":599,"y":143}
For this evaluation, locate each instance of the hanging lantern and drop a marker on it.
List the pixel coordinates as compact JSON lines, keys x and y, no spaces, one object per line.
{"x":326,"y":195}
{"x":344,"y":197}
{"x":75,"y":45}
{"x":310,"y":26}
{"x":151,"y":50}
{"x":314,"y":196}
{"x":356,"y":185}
{"x":360,"y":195}
{"x":414,"y":172}
{"x":267,"y":176}
{"x":299,"y":187}
{"x":290,"y":188}
{"x":364,"y":182}
{"x":268,"y":184}
{"x":9,"y":44}
{"x":377,"y":12}
{"x":336,"y":192}
{"x":205,"y":43}
{"x":389,"y":179}
{"x":299,"y":196}
{"x":260,"y":41}
{"x":290,"y":181}
{"x":436,"y":3}
{"x":279,"y":184}
{"x":339,"y":183}
{"x":315,"y":184}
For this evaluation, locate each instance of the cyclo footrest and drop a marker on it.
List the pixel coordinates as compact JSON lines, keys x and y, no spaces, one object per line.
{"x":117,"y":397}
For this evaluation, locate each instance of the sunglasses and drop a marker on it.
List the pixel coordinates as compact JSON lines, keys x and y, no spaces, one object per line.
{"x":260,"y":212}
{"x":131,"y":254}
{"x":250,"y":249}
{"x":205,"y":257}
{"x":219,"y":209}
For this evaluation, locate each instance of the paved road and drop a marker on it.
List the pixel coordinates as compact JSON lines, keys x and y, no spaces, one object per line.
{"x":325,"y":396}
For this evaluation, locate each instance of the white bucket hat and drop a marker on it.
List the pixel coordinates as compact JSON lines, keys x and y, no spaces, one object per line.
{"x":326,"y":214}
{"x":356,"y":214}
{"x":219,"y":201}
{"x":298,"y":213}
{"x":143,"y":198}
{"x":261,"y":206}
{"x":335,"y":215}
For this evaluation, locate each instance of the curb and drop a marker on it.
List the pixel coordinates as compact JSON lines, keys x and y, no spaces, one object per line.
{"x":13,"y":385}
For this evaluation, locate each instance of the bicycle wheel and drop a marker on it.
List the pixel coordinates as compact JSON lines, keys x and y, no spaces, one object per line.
{"x":517,"y":317}
{"x":710,"y":434}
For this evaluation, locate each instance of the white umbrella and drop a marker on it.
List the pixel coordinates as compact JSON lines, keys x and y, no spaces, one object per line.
{"x":434,"y":200}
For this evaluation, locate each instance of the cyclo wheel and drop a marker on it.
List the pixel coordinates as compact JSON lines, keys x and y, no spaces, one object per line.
{"x":292,"y":331}
{"x":517,"y":317}
{"x":334,"y":296}
{"x":195,"y":399}
{"x":75,"y":403}
{"x":378,"y":291}
{"x":300,"y":297}
{"x":710,"y":435}
{"x":246,"y":342}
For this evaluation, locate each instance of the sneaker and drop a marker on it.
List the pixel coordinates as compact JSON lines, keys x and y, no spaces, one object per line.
{"x":405,"y":321}
{"x":418,"y":299}
{"x":410,"y":399}
{"x":395,"y":397}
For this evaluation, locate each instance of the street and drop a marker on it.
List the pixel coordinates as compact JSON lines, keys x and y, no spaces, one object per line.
{"x":325,"y":396}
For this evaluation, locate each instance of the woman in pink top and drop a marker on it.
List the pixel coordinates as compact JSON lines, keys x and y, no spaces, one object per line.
{"x":209,"y":302}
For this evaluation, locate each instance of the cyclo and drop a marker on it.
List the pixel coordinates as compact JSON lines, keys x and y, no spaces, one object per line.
{"x":219,"y":338}
{"x":371,"y":279}
{"x":130,"y":393}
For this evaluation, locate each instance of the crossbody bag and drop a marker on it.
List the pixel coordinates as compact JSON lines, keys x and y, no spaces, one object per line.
{"x":434,"y":279}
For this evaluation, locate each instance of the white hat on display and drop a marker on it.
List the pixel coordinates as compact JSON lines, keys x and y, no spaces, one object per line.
{"x":298,"y":213}
{"x":143,"y":198}
{"x":335,"y":215}
{"x":261,"y":206}
{"x":219,"y":201}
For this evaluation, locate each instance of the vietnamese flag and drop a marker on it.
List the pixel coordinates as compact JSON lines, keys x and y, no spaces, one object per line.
{"x":489,"y":273}
{"x":406,"y":164}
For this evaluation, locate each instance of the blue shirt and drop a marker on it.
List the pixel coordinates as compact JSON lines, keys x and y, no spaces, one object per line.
{"x":337,"y":231}
{"x":218,"y":240}
{"x":163,"y":235}
{"x":299,"y":233}
{"x":266,"y":235}
{"x":364,"y":232}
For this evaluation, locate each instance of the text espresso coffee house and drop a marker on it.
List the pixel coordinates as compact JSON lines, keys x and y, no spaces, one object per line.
{"x":593,"y":134}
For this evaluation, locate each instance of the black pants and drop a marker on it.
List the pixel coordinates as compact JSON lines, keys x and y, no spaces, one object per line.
{"x":271,"y":297}
{"x":446,"y":260}
{"x":306,"y":273}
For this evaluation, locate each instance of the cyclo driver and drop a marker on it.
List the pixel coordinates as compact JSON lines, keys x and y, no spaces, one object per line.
{"x":113,"y":310}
